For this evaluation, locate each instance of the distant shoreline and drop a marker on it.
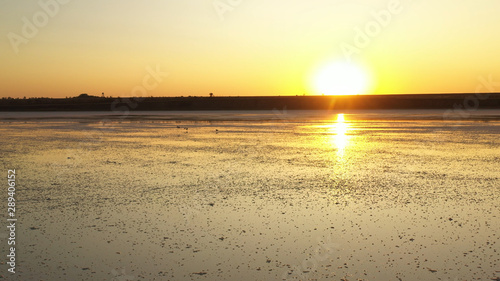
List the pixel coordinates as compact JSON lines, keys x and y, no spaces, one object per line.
{"x":117,"y":104}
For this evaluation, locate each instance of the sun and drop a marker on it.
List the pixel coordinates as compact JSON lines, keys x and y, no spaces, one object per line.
{"x":341,"y":78}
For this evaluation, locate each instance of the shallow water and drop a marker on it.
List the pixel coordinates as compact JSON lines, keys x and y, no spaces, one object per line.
{"x":380,"y":195}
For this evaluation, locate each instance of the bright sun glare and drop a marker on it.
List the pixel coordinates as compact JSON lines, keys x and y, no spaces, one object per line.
{"x":341,"y":78}
{"x":340,"y":137}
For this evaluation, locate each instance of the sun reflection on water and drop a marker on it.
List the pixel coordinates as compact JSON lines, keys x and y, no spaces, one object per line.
{"x":340,"y":135}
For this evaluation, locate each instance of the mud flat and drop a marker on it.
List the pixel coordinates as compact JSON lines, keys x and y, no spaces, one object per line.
{"x":299,"y":197}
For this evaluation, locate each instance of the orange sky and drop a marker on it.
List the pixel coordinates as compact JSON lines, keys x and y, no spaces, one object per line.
{"x":59,"y":48}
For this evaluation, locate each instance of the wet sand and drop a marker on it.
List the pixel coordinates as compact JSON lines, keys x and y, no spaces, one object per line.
{"x":255,"y":196}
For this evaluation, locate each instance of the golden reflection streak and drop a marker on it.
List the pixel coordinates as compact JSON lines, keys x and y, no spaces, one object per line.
{"x":340,"y":136}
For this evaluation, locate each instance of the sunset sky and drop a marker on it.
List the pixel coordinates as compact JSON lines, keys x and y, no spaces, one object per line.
{"x":62,"y":48}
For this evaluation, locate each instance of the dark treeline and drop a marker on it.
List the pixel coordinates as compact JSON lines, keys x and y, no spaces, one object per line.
{"x":421,"y":101}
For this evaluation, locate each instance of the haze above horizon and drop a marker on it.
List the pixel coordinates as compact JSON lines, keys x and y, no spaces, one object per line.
{"x":59,"y":48}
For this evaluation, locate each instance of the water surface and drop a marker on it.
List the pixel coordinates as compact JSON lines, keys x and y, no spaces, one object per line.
{"x":296,"y":195}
